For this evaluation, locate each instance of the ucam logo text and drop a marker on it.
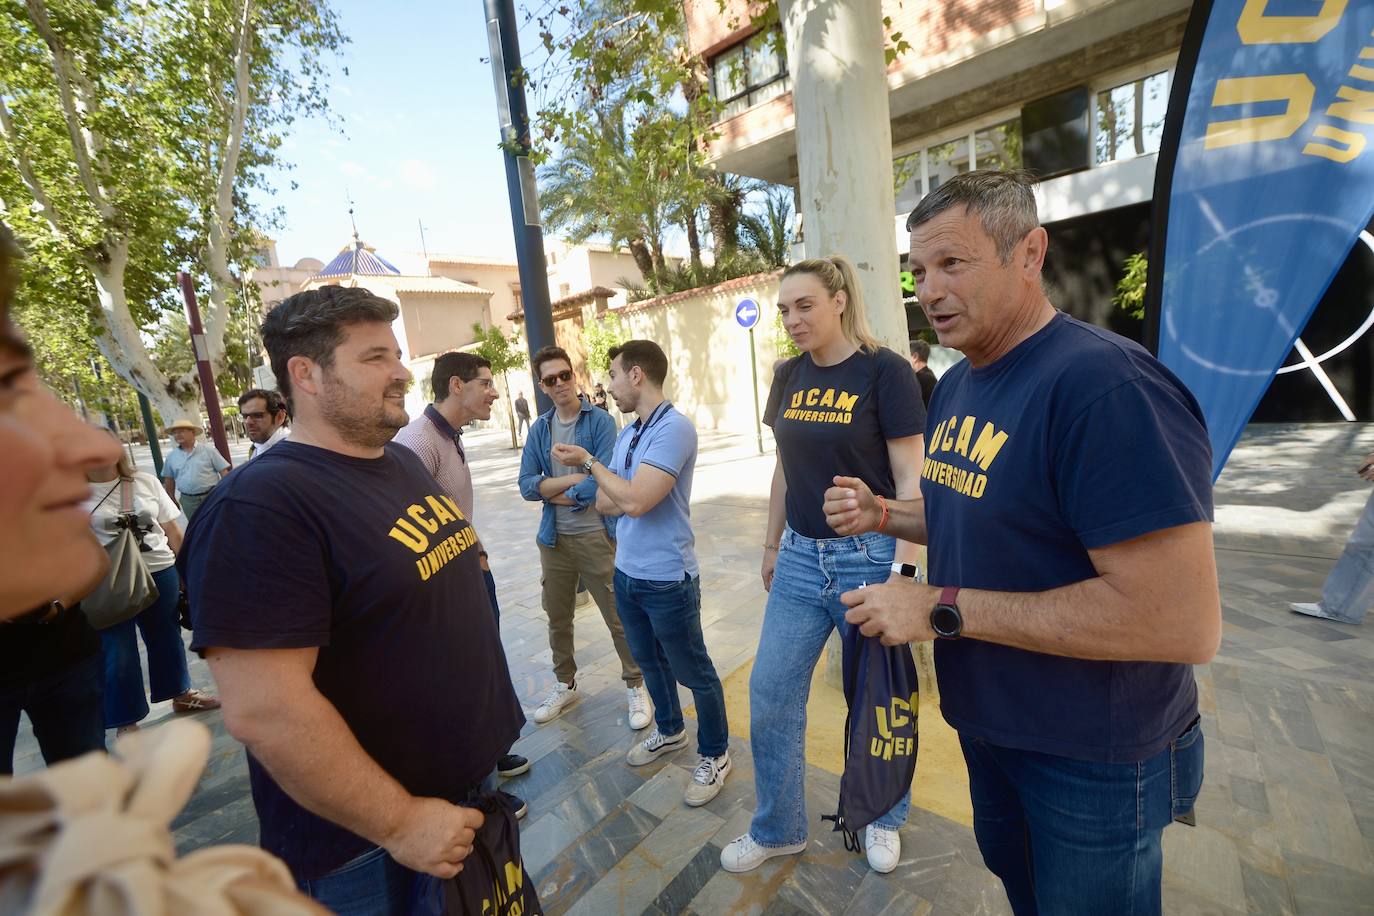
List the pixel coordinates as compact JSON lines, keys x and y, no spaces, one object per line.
{"x":1352,"y":106}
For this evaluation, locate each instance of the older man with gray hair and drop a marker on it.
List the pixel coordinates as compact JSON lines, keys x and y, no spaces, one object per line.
{"x":1066,"y":498}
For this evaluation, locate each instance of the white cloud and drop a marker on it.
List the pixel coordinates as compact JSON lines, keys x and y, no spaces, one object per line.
{"x":418,"y":174}
{"x":352,"y":169}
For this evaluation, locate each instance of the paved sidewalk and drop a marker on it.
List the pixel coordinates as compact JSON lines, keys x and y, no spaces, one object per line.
{"x":1285,"y":819}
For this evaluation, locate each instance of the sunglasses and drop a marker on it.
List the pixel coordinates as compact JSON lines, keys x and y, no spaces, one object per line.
{"x":549,"y":381}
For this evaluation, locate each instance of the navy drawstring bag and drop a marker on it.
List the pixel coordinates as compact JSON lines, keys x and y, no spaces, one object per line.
{"x":880,"y":731}
{"x":493,"y":881}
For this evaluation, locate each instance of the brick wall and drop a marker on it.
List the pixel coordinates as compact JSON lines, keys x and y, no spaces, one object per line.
{"x":937,"y":26}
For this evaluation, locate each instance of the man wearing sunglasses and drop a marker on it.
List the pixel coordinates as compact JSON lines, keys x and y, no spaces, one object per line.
{"x":574,"y":539}
{"x":648,"y":483}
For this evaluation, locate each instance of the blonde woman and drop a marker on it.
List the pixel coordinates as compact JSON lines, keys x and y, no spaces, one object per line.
{"x":155,"y":517}
{"x":846,"y":406}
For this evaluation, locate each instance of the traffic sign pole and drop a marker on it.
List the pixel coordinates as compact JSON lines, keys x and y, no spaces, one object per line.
{"x":754,"y":373}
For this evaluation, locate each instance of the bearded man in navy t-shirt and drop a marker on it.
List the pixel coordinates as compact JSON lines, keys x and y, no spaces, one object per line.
{"x":1066,"y":500}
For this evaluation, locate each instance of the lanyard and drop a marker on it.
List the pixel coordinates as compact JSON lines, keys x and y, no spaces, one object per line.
{"x":659,"y":413}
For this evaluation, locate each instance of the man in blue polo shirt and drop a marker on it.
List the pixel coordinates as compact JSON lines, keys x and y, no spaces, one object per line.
{"x":1066,"y":496}
{"x":657,"y":586}
{"x":193,"y":468}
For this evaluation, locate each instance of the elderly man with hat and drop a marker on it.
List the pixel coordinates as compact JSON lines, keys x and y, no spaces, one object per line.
{"x":192,"y":469}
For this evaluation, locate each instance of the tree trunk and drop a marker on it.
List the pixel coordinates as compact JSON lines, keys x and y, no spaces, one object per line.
{"x":693,"y":239}
{"x":846,"y":187}
{"x":121,"y":344}
{"x":723,"y":212}
{"x":639,"y":250}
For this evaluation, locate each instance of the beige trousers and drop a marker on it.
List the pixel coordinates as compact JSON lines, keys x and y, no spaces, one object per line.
{"x":591,"y":557}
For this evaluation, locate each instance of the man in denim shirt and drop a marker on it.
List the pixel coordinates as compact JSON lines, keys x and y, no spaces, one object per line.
{"x":574,"y":539}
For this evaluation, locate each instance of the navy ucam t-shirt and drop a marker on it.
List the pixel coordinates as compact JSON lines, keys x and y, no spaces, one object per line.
{"x":369,"y":561}
{"x":830,"y":420}
{"x":1076,"y":439}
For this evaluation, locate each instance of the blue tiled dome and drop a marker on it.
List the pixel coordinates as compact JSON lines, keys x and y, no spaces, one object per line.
{"x":357,"y":258}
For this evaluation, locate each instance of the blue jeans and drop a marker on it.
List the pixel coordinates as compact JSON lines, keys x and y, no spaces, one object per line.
{"x":374,"y":884}
{"x":803,"y":607}
{"x":125,"y":700}
{"x":1076,"y":836}
{"x":64,"y":708}
{"x":1349,"y":589}
{"x":662,"y":621}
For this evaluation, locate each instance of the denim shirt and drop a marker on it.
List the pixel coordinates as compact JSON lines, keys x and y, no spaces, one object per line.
{"x":595,"y":431}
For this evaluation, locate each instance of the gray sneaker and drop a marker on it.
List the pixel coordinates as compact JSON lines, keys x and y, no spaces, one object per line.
{"x":707,"y":780}
{"x":654,"y":747}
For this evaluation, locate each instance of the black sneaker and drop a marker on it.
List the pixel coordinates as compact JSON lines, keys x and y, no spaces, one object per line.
{"x":520,"y":806}
{"x":512,"y":765}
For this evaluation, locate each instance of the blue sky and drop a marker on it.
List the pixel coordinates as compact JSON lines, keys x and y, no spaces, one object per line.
{"x":419,"y":143}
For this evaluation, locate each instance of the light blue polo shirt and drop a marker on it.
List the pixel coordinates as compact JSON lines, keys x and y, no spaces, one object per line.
{"x":196,"y":471}
{"x":659,"y":544}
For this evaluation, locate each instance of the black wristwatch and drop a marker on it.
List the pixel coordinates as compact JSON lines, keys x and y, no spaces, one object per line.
{"x":945,"y":619}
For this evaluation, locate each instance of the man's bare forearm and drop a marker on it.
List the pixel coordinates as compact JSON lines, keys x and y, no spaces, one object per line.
{"x":311,"y":753}
{"x":550,"y":487}
{"x":906,"y":520}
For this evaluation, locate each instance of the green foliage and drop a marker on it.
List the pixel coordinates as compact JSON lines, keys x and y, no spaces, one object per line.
{"x":768,"y":232}
{"x":504,"y":353}
{"x":1130,"y":289}
{"x":600,"y":335}
{"x":132,"y":133}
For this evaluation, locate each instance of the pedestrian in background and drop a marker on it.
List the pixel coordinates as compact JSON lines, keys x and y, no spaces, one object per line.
{"x":522,"y":413}
{"x":264,"y":416}
{"x":846,"y":405}
{"x":920,"y":356}
{"x":154,"y":520}
{"x":193,"y":468}
{"x":1349,"y":588}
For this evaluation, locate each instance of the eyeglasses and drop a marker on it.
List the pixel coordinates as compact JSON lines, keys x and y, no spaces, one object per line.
{"x":549,"y":381}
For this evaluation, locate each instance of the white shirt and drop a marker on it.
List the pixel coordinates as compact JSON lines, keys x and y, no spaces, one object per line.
{"x":255,"y":450}
{"x":153,"y":506}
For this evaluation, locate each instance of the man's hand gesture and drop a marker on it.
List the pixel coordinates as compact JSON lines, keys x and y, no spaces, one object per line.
{"x":572,"y":455}
{"x":897,"y":611}
{"x":851,"y":508}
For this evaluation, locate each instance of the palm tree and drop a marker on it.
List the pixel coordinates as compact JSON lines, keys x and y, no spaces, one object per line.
{"x":768,"y":232}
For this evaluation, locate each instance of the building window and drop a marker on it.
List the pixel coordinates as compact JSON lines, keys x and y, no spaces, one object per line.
{"x":750,"y":73}
{"x":515,"y":296}
{"x":564,"y":290}
{"x":1130,"y":118}
{"x":915,"y":175}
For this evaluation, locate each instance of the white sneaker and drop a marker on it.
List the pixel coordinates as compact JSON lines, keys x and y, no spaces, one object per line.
{"x":560,"y":697}
{"x":884,"y":847}
{"x":744,"y":854}
{"x":1316,"y":610}
{"x":654,"y":747}
{"x":640,"y":706}
{"x":584,"y":599}
{"x":708,"y":780}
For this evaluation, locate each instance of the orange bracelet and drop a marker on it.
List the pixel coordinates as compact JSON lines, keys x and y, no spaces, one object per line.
{"x":882,"y":523}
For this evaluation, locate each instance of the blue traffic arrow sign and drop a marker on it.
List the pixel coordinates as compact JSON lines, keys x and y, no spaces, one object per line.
{"x":747,"y":313}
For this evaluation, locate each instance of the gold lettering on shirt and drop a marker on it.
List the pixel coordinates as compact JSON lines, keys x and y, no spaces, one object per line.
{"x":981,"y":451}
{"x":422,"y":519}
{"x":842,"y":402}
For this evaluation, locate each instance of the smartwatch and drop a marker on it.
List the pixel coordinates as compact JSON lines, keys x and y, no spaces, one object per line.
{"x":909,"y":570}
{"x":587,"y":465}
{"x":945,"y":619}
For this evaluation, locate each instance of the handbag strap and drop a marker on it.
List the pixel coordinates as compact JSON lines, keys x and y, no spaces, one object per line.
{"x":126,"y":494}
{"x":106,"y":496}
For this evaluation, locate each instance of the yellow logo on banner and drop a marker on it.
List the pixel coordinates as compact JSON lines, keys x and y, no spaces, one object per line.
{"x":1352,"y":105}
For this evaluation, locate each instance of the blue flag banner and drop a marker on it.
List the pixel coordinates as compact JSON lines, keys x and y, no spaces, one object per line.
{"x":1265,"y":181}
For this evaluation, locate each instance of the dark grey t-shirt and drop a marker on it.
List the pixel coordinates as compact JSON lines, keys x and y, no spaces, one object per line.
{"x":570,"y":519}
